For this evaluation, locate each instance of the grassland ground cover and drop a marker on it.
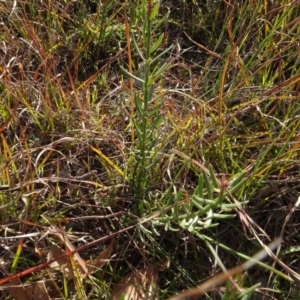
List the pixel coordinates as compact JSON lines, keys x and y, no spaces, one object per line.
{"x":149,"y":147}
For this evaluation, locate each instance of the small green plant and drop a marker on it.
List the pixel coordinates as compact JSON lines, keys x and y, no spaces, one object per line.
{"x":211,"y":200}
{"x":147,"y":103}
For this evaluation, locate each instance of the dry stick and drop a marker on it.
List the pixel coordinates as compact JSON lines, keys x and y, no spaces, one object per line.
{"x":279,"y":87}
{"x":203,"y":48}
{"x":202,"y":167}
{"x":218,"y":279}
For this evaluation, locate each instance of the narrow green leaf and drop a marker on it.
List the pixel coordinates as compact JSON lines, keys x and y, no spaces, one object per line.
{"x":183,"y":223}
{"x":237,"y":186}
{"x":197,"y":204}
{"x":154,"y":10}
{"x":136,"y":46}
{"x":201,"y":223}
{"x":207,"y":185}
{"x":209,"y":218}
{"x":156,"y":233}
{"x":247,"y":295}
{"x":220,"y":198}
{"x":151,"y":91}
{"x":132,"y":76}
{"x":187,"y":210}
{"x":152,"y":164}
{"x":175,"y":213}
{"x":157,"y":58}
{"x":213,"y":177}
{"x":157,"y":122}
{"x":147,"y":206}
{"x":157,"y":43}
{"x":206,"y":208}
{"x":203,"y":200}
{"x":193,"y":223}
{"x":167,"y":226}
{"x":199,"y":189}
{"x":155,"y":109}
{"x":138,"y":105}
{"x":228,"y":206}
{"x":162,"y":69}
{"x":223,"y":216}
{"x":153,"y":143}
{"x":179,"y":196}
{"x":237,"y":180}
{"x":173,"y":229}
{"x":150,"y":82}
{"x":138,"y":130}
{"x":159,"y":21}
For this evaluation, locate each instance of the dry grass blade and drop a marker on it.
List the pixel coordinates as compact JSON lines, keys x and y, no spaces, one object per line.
{"x":70,"y":249}
{"x":202,"y":167}
{"x":220,"y":278}
{"x":64,"y":265}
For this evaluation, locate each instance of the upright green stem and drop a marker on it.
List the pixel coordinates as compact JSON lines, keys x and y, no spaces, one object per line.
{"x":143,"y":145}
